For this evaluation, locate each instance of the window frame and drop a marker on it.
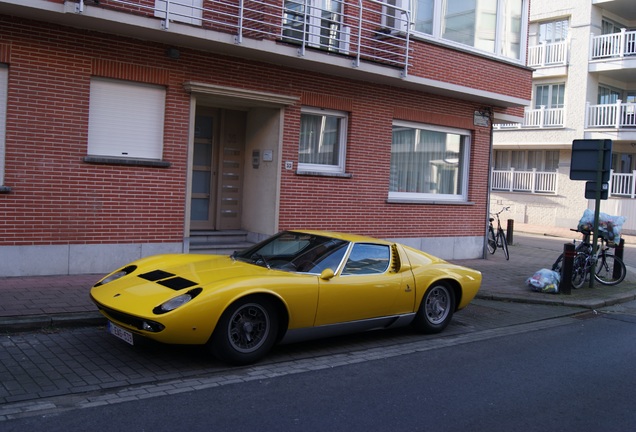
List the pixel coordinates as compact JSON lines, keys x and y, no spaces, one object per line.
{"x":553,"y":31}
{"x":502,"y":39}
{"x":311,"y":23}
{"x":424,"y":197}
{"x":339,"y":168}
{"x":551,"y":88}
{"x":107,"y":143}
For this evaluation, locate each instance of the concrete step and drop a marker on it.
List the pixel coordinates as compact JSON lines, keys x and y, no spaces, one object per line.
{"x":218,"y":242}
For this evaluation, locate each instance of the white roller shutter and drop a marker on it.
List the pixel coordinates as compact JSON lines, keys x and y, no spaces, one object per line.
{"x":126,"y":119}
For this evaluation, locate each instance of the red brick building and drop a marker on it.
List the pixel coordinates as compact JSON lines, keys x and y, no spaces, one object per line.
{"x":123,"y":134}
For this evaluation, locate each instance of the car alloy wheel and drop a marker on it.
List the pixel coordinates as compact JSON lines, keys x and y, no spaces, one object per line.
{"x":436,"y":309}
{"x":246,"y":331}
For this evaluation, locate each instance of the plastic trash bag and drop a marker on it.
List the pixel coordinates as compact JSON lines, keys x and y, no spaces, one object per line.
{"x":545,"y":281}
{"x":609,"y":227}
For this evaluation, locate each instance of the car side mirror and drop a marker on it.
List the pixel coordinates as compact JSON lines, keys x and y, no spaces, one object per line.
{"x":327,"y":274}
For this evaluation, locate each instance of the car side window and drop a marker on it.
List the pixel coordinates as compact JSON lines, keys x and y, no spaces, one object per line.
{"x":367,"y":259}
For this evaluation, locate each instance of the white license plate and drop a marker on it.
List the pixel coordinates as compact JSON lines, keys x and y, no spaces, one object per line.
{"x":120,"y":333}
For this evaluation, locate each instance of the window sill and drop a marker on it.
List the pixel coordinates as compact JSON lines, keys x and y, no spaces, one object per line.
{"x":106,"y":160}
{"x":323,"y":174}
{"x":5,"y":189}
{"x":414,"y":201}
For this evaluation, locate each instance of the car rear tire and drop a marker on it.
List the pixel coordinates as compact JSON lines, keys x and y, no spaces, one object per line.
{"x":246,"y":331}
{"x":436,"y":309}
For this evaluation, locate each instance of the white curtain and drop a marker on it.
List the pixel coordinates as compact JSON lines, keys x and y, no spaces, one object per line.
{"x":425,"y":161}
{"x":319,"y":139}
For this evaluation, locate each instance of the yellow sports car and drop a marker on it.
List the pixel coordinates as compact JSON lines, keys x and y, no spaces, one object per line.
{"x":293,"y":286}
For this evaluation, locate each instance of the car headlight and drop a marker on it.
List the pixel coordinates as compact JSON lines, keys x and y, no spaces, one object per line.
{"x":177,"y":301}
{"x":116,"y":275}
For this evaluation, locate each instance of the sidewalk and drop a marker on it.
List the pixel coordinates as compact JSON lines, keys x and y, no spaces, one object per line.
{"x":30,"y":303}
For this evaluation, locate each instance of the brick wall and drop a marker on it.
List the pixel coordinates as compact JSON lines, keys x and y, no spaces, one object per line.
{"x":57,"y":198}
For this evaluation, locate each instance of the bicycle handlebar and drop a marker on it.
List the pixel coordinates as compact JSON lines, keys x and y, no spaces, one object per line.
{"x":502,"y":210}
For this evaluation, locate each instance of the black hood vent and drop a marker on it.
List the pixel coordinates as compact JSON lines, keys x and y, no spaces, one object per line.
{"x":169,"y":280}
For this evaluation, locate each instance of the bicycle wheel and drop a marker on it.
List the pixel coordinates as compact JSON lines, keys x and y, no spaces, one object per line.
{"x":610,"y":269}
{"x":579,"y":270}
{"x":503,"y":243}
{"x":557,"y":264}
{"x":492,"y":242}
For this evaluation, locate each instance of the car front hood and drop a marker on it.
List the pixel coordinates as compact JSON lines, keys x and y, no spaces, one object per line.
{"x":158,"y":279}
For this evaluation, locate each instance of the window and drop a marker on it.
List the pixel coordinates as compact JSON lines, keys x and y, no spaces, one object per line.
{"x":429,"y":163}
{"x":126,"y":119}
{"x":550,"y":96}
{"x":623,"y":163}
{"x":494,"y":26}
{"x":527,"y":160}
{"x":316,"y":22}
{"x":322,"y":141}
{"x":367,"y":259}
{"x":502,"y":159}
{"x":423,"y":15}
{"x":185,"y":11}
{"x":4,"y":79}
{"x":608,"y":95}
{"x":394,"y":18}
{"x":551,"y":160}
{"x":553,"y":31}
{"x":610,"y":27}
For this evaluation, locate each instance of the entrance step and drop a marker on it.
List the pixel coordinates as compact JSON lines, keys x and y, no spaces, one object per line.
{"x":218,"y":242}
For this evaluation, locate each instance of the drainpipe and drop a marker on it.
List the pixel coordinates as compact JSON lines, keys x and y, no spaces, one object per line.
{"x":488,"y":111}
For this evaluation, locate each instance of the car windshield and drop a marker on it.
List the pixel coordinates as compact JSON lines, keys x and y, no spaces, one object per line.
{"x":296,"y":252}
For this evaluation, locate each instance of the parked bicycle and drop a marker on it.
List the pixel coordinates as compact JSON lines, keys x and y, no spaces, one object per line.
{"x":608,"y":268}
{"x":498,"y":239}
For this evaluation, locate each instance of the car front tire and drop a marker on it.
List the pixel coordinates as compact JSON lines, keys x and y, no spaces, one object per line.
{"x":246,"y":331}
{"x":436,"y":309}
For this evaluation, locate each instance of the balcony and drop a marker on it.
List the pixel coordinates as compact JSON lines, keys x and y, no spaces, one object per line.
{"x":541,"y":182}
{"x":548,"y":54}
{"x":614,"y":55}
{"x":537,"y":119}
{"x":361,"y":30}
{"x":616,"y":116}
{"x":615,"y":45}
{"x":536,"y":182}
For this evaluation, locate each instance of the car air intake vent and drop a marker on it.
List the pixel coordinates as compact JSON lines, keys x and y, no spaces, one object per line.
{"x":395,"y":259}
{"x":156,"y":275}
{"x":169,"y":280}
{"x":177,"y":283}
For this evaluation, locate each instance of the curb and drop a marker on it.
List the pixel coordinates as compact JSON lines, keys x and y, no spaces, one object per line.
{"x":53,"y":321}
{"x":561,"y":300}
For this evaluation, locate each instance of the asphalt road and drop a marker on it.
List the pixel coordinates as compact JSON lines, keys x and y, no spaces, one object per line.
{"x":575,"y":374}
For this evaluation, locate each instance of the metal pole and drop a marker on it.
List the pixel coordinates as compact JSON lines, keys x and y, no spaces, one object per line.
{"x":510,"y":231}
{"x":566,"y":269}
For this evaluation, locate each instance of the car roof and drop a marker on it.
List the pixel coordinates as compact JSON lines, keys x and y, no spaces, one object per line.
{"x":356,"y":238}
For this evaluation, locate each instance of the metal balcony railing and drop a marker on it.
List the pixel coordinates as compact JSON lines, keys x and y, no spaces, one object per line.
{"x":537,"y":119}
{"x":364,"y":30}
{"x":615,"y":45}
{"x":617,"y":115}
{"x":548,"y":54}
{"x":532,"y":181}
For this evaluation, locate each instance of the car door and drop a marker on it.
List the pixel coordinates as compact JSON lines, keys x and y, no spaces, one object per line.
{"x":367,"y":286}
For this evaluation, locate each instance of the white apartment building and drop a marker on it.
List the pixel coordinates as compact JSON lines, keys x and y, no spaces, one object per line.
{"x":583,"y":53}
